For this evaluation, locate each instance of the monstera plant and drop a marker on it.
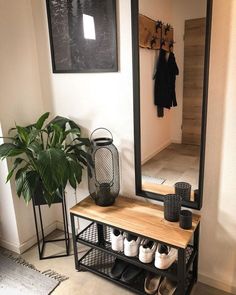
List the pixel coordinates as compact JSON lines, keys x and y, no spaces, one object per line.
{"x":46,"y":157}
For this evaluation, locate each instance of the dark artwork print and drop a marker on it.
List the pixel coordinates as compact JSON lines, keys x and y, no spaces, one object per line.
{"x":82,"y":35}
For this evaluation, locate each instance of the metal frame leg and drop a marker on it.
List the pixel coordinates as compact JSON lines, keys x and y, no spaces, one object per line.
{"x":72,"y":218}
{"x":196,"y":248}
{"x":181,"y":271}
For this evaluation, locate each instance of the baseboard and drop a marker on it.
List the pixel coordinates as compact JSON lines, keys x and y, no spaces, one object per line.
{"x":21,"y":248}
{"x":178,"y":141}
{"x":59,"y":225}
{"x":224,"y":286}
{"x":10,"y":246}
{"x":32,"y":241}
{"x":160,"y":148}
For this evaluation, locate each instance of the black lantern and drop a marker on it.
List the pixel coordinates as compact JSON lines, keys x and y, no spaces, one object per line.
{"x":103,"y":175}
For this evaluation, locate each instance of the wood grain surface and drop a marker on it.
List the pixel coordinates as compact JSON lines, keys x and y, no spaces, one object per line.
{"x":139,"y":217}
{"x":194,"y":52}
{"x":161,"y":189}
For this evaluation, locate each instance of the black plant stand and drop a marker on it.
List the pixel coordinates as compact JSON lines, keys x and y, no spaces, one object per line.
{"x":40,"y":229}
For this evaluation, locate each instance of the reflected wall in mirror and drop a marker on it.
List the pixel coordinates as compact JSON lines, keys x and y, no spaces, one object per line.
{"x":170,"y":95}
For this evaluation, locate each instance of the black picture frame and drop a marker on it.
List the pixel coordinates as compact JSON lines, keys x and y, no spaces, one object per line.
{"x":83,"y":36}
{"x":197,"y":204}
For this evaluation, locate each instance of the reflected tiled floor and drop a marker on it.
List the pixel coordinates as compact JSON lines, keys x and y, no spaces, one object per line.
{"x":177,"y":162}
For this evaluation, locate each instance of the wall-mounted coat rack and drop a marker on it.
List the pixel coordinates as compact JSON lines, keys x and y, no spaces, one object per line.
{"x":155,"y":34}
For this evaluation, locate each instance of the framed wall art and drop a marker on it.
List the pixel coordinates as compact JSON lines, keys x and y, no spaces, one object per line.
{"x":83,"y":35}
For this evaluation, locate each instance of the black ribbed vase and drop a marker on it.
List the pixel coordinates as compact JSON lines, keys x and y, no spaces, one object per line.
{"x":183,"y":189}
{"x":172,"y":207}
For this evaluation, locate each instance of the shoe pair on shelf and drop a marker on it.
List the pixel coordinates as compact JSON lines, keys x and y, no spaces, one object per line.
{"x":123,"y":242}
{"x":154,"y":284}
{"x":124,"y":271}
{"x":132,"y":245}
{"x":146,"y":249}
{"x":164,"y":256}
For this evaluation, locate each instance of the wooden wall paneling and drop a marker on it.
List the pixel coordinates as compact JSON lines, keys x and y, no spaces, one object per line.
{"x":194,"y":51}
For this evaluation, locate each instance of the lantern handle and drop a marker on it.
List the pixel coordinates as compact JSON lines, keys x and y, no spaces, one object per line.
{"x":100,"y":128}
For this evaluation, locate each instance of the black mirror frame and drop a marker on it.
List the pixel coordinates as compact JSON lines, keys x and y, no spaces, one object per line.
{"x":136,"y":100}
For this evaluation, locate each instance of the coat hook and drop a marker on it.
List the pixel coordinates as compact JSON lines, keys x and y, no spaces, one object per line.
{"x":162,"y":42}
{"x":158,"y":25}
{"x":153,"y":41}
{"x":167,"y":28}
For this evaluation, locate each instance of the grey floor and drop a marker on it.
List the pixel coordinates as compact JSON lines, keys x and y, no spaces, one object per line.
{"x":85,"y":283}
{"x":177,"y":162}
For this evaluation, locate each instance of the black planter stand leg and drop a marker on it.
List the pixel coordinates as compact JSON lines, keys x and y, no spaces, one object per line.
{"x":40,"y":230}
{"x":37,"y":231}
{"x":66,"y":230}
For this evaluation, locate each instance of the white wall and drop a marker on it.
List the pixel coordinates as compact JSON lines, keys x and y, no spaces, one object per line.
{"x":20,"y":97}
{"x":218,"y":232}
{"x":8,"y":227}
{"x":155,"y":132}
{"x":93,"y":100}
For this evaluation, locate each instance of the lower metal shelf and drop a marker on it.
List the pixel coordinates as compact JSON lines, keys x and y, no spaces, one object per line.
{"x":89,"y":237}
{"x":100,"y":263}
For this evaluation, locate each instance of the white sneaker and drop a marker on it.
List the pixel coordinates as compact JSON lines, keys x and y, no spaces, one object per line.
{"x":131,"y":245}
{"x":147,"y":251}
{"x":165,"y":256}
{"x":117,"y":240}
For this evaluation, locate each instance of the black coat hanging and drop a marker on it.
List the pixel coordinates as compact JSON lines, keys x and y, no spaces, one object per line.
{"x":165,"y":76}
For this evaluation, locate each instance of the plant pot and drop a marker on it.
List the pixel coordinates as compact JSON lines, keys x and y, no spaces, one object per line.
{"x":38,"y":198}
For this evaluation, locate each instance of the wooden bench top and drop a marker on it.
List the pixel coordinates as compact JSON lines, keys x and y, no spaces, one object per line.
{"x":139,"y":217}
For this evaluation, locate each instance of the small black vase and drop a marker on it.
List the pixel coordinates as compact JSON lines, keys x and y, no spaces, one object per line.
{"x":185,"y":219}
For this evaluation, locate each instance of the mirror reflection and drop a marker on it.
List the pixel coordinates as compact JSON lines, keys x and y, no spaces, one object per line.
{"x":171,"y":48}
